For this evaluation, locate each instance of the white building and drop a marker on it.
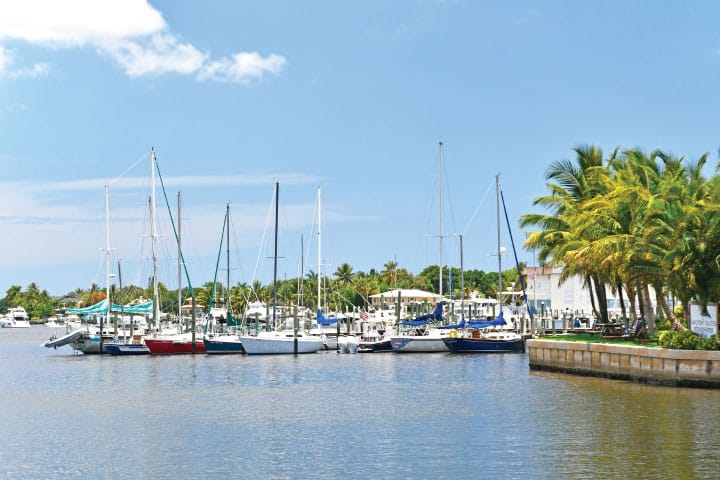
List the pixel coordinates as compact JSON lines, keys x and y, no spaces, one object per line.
{"x":545,"y":294}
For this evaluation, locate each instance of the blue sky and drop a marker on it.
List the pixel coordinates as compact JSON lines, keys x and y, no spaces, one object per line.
{"x":352,"y":97}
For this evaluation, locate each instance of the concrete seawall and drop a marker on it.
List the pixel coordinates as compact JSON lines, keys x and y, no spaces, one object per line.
{"x":681,"y":368}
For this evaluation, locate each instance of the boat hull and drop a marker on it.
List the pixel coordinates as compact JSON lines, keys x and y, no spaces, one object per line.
{"x":126,"y":349}
{"x":15,"y":324}
{"x":479,"y":345}
{"x":173,"y":347}
{"x":81,"y":341}
{"x":280,"y":345}
{"x":223,"y":346}
{"x":419,"y":344}
{"x":371,"y":347}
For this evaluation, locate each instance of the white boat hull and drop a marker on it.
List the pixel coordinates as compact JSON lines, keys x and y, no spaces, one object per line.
{"x":9,"y":323}
{"x":419,"y":344}
{"x":275,"y":343}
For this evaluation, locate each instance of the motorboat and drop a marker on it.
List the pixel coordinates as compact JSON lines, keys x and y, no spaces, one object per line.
{"x":16,"y":317}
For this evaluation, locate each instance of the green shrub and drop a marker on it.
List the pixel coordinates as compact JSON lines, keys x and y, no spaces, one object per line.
{"x":710,"y":343}
{"x":680,"y":340}
{"x":663,"y":324}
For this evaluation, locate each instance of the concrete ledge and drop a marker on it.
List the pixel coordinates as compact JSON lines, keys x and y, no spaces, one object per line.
{"x":681,"y":368}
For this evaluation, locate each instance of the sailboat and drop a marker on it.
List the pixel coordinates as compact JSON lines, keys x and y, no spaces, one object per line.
{"x":84,"y":340}
{"x":423,"y":337}
{"x":279,"y":341}
{"x":134,"y":344}
{"x":488,"y":336}
{"x":174,"y":343}
{"x":328,"y":327}
{"x":225,"y":342}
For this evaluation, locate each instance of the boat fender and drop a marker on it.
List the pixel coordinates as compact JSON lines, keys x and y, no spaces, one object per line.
{"x":453,"y":333}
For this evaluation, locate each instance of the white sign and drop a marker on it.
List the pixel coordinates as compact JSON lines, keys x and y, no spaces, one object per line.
{"x":704,"y":325}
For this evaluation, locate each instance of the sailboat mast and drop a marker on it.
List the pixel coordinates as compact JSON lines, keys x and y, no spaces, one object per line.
{"x":227,"y":257}
{"x":107,"y":263}
{"x":275,"y":256}
{"x":180,"y":299}
{"x":302,"y":272}
{"x":499,"y":248}
{"x":462,"y":280}
{"x":153,"y":237}
{"x":441,"y":221}
{"x":319,"y":250}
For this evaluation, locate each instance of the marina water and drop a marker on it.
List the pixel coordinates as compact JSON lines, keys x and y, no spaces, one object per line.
{"x":325,"y":415}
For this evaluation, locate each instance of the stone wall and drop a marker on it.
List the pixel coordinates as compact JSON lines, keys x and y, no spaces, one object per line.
{"x":689,"y":368}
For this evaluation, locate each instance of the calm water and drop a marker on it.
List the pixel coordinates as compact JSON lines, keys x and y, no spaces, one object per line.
{"x":326,"y":415}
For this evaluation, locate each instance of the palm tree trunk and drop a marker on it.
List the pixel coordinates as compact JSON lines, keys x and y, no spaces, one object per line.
{"x":622,"y":302}
{"x":649,"y":314}
{"x":662,"y":301}
{"x":632,"y":299}
{"x":601,"y":294}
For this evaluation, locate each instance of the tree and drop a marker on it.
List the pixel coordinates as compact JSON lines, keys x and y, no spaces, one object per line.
{"x":344,"y":274}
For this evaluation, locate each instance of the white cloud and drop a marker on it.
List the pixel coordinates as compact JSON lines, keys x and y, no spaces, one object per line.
{"x":6,"y":58}
{"x":162,"y":54}
{"x":77,"y":22}
{"x":37,"y":70}
{"x":131,"y":32}
{"x":242,"y":67}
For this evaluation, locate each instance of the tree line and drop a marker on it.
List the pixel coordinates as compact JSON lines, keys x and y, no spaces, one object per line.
{"x":346,"y":290}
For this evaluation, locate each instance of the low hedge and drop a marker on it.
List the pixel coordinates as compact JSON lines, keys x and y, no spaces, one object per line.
{"x":687,"y":340}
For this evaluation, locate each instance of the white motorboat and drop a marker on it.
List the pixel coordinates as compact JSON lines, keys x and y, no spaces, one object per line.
{"x":16,"y":317}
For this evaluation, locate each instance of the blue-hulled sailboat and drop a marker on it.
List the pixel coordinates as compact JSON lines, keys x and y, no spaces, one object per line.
{"x":488,"y":336}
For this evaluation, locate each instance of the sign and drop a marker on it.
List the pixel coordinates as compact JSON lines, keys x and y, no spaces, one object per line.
{"x":704,"y":325}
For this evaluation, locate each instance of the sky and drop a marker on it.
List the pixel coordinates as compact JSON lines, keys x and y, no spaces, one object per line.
{"x":352,"y":98}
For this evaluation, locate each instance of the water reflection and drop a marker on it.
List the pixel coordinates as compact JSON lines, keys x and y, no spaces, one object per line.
{"x":339,"y":416}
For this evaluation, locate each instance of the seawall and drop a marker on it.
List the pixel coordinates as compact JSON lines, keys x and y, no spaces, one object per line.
{"x":680,"y":368}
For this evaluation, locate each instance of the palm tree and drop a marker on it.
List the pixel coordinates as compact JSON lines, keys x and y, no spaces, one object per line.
{"x":558,"y":242}
{"x":389,"y":272}
{"x":344,"y":274}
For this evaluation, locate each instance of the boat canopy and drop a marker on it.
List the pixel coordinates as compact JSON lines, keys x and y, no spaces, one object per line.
{"x":102,"y":307}
{"x":323,"y":320}
{"x":436,"y":314}
{"x":499,"y":321}
{"x":457,"y":325}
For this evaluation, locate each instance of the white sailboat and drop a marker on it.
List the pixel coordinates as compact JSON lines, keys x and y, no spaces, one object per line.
{"x":84,"y":339}
{"x":327,"y":327}
{"x":424,"y":337}
{"x":282,"y":341}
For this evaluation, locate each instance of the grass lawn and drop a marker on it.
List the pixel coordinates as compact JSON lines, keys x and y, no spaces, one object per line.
{"x":596,"y":338}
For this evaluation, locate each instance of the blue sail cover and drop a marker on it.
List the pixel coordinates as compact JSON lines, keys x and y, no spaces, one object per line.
{"x":457,"y":325}
{"x":499,"y":321}
{"x":425,"y":319}
{"x":325,"y":321}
